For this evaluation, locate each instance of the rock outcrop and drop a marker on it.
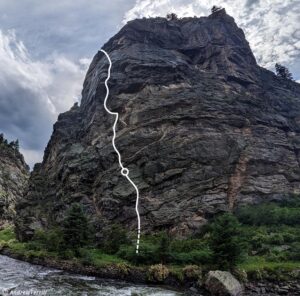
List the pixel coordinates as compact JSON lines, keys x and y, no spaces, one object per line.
{"x":202,"y":129}
{"x":14,"y":174}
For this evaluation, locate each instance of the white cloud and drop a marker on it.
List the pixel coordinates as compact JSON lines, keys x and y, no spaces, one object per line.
{"x":271,"y":26}
{"x":33,"y":93}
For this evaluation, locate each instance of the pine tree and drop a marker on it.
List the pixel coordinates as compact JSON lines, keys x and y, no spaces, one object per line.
{"x":75,"y":228}
{"x":283,"y":72}
{"x":164,"y":247}
{"x":17,"y":145}
{"x":226,"y":241}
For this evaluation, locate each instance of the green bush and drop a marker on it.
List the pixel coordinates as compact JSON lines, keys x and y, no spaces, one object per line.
{"x":148,"y":253}
{"x":269,"y":214}
{"x":187,"y":245}
{"x":50,"y":240}
{"x":203,"y":256}
{"x":114,"y":238}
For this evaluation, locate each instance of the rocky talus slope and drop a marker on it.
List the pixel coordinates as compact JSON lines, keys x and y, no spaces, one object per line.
{"x":14,"y":174}
{"x":202,"y":128}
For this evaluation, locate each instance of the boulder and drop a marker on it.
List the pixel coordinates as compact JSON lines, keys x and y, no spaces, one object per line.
{"x":223,"y":283}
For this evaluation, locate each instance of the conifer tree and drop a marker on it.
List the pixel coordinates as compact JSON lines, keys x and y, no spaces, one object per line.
{"x":226,"y":241}
{"x":75,"y":228}
{"x":215,"y":9}
{"x":283,"y":72}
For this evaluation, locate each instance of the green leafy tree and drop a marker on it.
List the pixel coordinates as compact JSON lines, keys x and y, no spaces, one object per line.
{"x":283,"y":72}
{"x":75,"y":228}
{"x":226,"y":241}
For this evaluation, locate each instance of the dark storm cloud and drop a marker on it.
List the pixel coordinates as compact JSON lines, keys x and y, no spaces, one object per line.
{"x":28,"y":122}
{"x":42,"y":75}
{"x":45,"y":49}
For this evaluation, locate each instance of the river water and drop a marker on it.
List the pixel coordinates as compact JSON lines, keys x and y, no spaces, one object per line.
{"x":21,"y":278}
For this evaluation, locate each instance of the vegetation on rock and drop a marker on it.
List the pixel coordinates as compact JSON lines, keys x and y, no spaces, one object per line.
{"x":283,"y":72}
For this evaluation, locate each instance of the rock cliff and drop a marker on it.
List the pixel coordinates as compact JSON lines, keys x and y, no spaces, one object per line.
{"x":14,"y":174}
{"x":202,"y":128}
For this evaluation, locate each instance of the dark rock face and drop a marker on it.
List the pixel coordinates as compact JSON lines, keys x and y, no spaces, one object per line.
{"x":14,"y":174}
{"x":202,"y":129}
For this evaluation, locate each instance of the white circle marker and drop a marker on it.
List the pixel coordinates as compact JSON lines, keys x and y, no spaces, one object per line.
{"x":124,"y":171}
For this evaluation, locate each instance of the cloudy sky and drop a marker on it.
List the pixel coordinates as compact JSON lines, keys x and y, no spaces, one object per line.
{"x":46,"y":47}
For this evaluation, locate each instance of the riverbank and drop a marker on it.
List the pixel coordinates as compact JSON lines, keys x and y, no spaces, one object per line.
{"x":22,"y":278}
{"x":139,"y":275}
{"x":270,"y":279}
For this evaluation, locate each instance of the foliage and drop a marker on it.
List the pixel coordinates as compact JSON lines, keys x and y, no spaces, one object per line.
{"x":172,"y":17}
{"x":51,"y":240}
{"x":14,"y":145}
{"x":193,"y":257}
{"x":75,"y":228}
{"x":114,"y":238}
{"x":216,"y":9}
{"x":147,"y":253}
{"x":192,"y":272}
{"x":283,"y":72}
{"x":226,"y":241}
{"x":163,"y":250}
{"x":269,"y":214}
{"x":158,"y":273}
{"x":7,"y":234}
{"x":271,"y":231}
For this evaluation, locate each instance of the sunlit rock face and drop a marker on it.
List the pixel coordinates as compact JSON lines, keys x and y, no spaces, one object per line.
{"x":202,"y":129}
{"x":14,"y":174}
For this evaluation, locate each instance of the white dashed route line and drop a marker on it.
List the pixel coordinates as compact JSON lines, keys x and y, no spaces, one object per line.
{"x":124,"y":171}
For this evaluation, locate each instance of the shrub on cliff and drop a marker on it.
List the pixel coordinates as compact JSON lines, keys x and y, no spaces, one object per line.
{"x":226,"y":241}
{"x":283,"y":72}
{"x":216,"y":9}
{"x":172,"y":17}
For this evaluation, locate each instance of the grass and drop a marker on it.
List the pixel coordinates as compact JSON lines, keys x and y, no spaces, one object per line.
{"x":7,"y":234}
{"x":95,"y":256}
{"x":255,"y":263}
{"x":99,"y":259}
